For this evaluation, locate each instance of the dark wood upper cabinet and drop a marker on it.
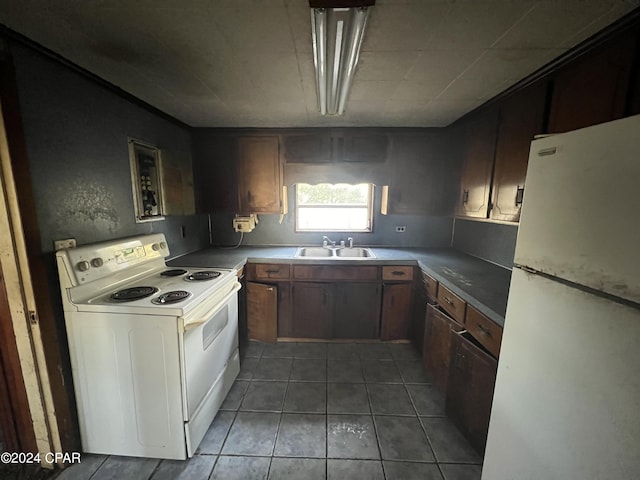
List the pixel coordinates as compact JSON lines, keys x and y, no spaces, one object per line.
{"x":479,"y":141}
{"x":215,"y":173}
{"x":593,"y":89}
{"x":308,"y":148}
{"x":336,"y":145}
{"x":365,"y":147}
{"x":259,"y":175}
{"x":420,"y":176}
{"x":521,"y":118}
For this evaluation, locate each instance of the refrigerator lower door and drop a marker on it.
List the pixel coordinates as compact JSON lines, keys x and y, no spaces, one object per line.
{"x":567,"y":391}
{"x":580,"y":210}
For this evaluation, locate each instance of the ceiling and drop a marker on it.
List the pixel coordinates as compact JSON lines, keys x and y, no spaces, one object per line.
{"x":248,"y":63}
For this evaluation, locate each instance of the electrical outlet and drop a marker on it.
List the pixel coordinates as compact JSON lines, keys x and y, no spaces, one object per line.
{"x":401,"y":229}
{"x":66,"y":243}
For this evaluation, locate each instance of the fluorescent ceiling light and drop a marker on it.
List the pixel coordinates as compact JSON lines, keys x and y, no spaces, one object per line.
{"x":337,"y":36}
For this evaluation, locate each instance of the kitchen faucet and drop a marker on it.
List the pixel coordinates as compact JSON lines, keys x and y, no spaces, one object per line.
{"x":350,"y":242}
{"x":326,"y":240}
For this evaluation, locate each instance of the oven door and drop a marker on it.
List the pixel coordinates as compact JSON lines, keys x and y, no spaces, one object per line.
{"x":209,"y":341}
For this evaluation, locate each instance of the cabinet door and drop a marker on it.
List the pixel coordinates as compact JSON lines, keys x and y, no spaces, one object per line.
{"x":365,"y":147}
{"x":416,"y":329}
{"x":470,"y":389}
{"x":436,"y":354}
{"x":262,"y":312}
{"x":421,"y":177}
{"x":311,"y":310}
{"x":215,"y":173}
{"x":593,"y":89}
{"x":396,"y":310}
{"x":259,"y":175}
{"x":307,"y":148}
{"x":356,"y":310}
{"x":477,"y":165}
{"x":521,"y":117}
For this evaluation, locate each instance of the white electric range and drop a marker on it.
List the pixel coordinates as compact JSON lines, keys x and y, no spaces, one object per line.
{"x":154,"y":349}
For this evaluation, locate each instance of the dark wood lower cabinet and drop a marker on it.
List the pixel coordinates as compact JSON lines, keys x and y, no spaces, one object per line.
{"x":311,"y":310}
{"x":438,"y":332}
{"x":262,"y":312}
{"x":356,"y":308}
{"x":396,"y":310}
{"x":472,"y":378}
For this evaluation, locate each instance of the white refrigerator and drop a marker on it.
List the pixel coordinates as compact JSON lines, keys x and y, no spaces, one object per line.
{"x":567,"y":396}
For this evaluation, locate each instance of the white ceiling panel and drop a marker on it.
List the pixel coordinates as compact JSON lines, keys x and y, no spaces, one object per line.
{"x":248,"y":63}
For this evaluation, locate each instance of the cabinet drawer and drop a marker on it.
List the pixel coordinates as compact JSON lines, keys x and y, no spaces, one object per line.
{"x":488,"y":333}
{"x":332,"y":272}
{"x":452,"y":303}
{"x":278,"y":271}
{"x":431,"y":286}
{"x":404,"y":273}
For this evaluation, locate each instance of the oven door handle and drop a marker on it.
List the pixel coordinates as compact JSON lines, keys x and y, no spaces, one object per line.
{"x":205,"y":317}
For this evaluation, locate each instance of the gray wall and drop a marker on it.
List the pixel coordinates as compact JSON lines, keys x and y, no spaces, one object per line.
{"x":494,"y":242}
{"x":76,"y":133}
{"x":421,"y":231}
{"x":76,"y":137}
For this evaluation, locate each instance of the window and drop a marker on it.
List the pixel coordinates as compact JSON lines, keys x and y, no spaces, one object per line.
{"x":334,"y":208}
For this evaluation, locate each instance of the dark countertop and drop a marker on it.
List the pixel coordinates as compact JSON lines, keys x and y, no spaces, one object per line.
{"x":481,"y":284}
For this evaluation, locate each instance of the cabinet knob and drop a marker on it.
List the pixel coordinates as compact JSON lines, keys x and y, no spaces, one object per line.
{"x":483,"y":330}
{"x":270,"y":289}
{"x":448,"y":300}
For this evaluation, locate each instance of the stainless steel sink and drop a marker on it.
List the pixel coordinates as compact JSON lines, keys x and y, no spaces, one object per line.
{"x":334,"y":253}
{"x":314,"y":252}
{"x":355,"y":252}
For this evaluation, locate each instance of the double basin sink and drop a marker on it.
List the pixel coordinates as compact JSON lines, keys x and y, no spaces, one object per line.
{"x":354,"y":253}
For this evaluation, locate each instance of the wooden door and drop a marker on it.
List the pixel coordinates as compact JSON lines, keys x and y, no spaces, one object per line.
{"x":396,"y":310}
{"x":477,"y":165}
{"x":470,"y":389}
{"x":262,"y":312}
{"x":521,"y":118}
{"x":16,"y":430}
{"x":311,"y":310}
{"x":259,"y":175}
{"x":438,"y":329}
{"x":356,"y":310}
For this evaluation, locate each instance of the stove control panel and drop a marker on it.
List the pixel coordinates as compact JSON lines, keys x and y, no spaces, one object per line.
{"x":93,"y":262}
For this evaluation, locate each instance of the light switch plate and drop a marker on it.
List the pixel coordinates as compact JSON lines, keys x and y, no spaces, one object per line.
{"x":66,"y":243}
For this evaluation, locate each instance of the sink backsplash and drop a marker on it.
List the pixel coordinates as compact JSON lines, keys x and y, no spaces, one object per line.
{"x":421,"y":231}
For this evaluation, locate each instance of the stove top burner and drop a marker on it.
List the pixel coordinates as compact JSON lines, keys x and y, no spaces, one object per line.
{"x":133,"y":293}
{"x":202,"y":275}
{"x":175,"y":272}
{"x":171,"y":297}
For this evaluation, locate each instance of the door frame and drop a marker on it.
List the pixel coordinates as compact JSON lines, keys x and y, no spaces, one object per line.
{"x":27,"y":363}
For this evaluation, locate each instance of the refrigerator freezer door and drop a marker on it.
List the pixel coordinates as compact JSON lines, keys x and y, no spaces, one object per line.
{"x":581,"y":208}
{"x":567,"y":390}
